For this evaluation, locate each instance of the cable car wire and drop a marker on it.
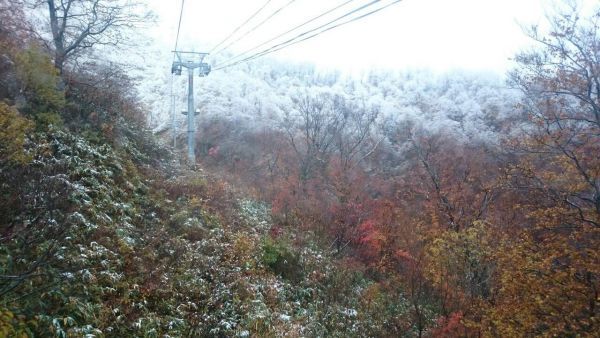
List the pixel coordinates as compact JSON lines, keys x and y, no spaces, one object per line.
{"x":240,"y":26}
{"x":288,"y":31}
{"x":311,"y":30}
{"x":171,"y":98}
{"x":303,"y":36}
{"x":255,"y":27}
{"x":179,"y":25}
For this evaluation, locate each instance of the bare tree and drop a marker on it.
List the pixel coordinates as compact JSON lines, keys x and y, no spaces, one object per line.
{"x":77,"y":25}
{"x":324,"y":127}
{"x":313,"y":129}
{"x":356,"y":141}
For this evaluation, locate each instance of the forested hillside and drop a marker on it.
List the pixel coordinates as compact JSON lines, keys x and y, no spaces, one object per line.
{"x":469,"y":104}
{"x":392,"y":204}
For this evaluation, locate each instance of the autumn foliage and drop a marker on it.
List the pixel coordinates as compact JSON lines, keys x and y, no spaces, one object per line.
{"x":482,"y":239}
{"x":350,"y":224}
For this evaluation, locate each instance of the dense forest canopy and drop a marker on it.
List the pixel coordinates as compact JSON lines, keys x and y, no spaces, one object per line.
{"x":391,"y":204}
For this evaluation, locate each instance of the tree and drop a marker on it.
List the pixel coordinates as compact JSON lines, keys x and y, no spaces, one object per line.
{"x":458,"y":179}
{"x":39,"y":81}
{"x":13,"y":24}
{"x":312,"y":130}
{"x":13,"y":34}
{"x":77,"y":25}
{"x":353,"y":144}
{"x":102,"y":94}
{"x":561,"y":83}
{"x":548,"y":270}
{"x":12,"y":136}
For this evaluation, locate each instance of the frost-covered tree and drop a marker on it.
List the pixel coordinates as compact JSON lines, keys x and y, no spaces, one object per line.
{"x":78,"y":25}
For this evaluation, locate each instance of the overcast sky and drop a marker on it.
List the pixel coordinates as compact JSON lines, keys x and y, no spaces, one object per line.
{"x":435,"y":34}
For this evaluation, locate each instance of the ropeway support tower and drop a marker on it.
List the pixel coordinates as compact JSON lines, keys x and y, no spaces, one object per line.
{"x":191,"y":61}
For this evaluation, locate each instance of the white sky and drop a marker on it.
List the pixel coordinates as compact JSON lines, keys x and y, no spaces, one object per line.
{"x":434,"y":34}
